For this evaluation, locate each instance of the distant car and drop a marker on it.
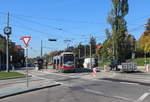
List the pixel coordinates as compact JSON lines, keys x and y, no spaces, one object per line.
{"x":114,"y":65}
{"x":30,"y":65}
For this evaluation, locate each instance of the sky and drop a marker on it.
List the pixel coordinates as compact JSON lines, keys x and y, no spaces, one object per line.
{"x":74,"y":20}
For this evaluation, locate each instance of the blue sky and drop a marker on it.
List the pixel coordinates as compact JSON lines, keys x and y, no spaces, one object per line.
{"x":74,"y":20}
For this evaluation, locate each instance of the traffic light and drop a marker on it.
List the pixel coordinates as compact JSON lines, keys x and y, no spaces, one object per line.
{"x":52,"y":40}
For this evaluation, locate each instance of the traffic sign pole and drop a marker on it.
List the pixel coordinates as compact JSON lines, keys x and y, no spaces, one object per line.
{"x":27,"y":67}
{"x":26,"y":40}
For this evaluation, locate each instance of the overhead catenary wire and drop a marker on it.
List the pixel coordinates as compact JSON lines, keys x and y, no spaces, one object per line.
{"x":59,"y":19}
{"x":29,"y":19}
{"x":45,"y":25}
{"x":27,"y":28}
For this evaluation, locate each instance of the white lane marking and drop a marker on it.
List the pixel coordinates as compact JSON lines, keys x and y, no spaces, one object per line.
{"x":129,"y":83}
{"x":101,"y":93}
{"x":93,"y":91}
{"x":140,"y":99}
{"x":123,"y":98}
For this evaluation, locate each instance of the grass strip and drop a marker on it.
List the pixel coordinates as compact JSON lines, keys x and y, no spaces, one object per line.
{"x":4,"y":75}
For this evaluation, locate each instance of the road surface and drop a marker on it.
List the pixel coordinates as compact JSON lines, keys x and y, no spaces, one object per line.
{"x":76,"y":89}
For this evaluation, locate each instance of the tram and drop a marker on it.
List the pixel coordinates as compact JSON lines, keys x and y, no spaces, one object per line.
{"x":64,"y":62}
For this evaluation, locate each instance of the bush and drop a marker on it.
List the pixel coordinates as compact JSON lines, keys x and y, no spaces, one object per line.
{"x":141,"y":61}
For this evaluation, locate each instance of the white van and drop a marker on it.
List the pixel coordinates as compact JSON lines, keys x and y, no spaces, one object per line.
{"x":88,"y":62}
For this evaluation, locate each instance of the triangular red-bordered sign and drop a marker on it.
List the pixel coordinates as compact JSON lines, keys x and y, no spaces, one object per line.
{"x":26,"y":40}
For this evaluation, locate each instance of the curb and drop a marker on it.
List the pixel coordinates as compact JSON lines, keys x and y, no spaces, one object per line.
{"x":28,"y":90}
{"x":15,"y":77}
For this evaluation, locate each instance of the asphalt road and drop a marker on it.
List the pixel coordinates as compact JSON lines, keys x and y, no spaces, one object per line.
{"x":76,"y":89}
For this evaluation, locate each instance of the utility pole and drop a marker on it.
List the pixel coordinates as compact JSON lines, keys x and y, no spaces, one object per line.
{"x":7,"y":31}
{"x":90,"y":55}
{"x":85,"y":51}
{"x":41,"y":48}
{"x":0,"y":62}
{"x":113,"y":45}
{"x":144,"y":51}
{"x":79,"y":50}
{"x":7,"y":52}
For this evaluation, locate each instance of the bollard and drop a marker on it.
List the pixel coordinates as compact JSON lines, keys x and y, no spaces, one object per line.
{"x":94,"y":72}
{"x":147,"y":68}
{"x":105,"y":68}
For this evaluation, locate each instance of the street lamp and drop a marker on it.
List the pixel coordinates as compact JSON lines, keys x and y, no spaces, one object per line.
{"x":42,"y":45}
{"x":7,"y":31}
{"x":67,"y":41}
{"x":145,"y":25}
{"x":52,"y":39}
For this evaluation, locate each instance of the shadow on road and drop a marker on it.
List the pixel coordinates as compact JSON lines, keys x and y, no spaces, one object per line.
{"x":132,"y":72}
{"x":79,"y":70}
{"x":82,"y":70}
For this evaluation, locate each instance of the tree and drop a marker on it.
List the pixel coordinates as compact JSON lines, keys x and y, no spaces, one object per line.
{"x":119,"y":29}
{"x":106,"y":51}
{"x":107,"y":33}
{"x":144,"y":41}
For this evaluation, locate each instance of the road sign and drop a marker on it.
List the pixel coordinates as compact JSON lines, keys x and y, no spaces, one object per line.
{"x":26,"y":40}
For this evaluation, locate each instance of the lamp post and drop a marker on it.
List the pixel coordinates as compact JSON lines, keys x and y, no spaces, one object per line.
{"x":145,"y":25}
{"x":7,"y":31}
{"x":67,"y":41}
{"x":53,"y":40}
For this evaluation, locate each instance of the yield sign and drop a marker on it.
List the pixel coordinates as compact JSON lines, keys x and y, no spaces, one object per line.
{"x":26,"y":40}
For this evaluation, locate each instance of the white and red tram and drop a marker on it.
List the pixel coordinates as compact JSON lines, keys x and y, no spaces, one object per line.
{"x":64,"y":62}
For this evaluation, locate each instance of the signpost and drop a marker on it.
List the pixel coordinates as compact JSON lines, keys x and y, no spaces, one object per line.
{"x":26,"y":40}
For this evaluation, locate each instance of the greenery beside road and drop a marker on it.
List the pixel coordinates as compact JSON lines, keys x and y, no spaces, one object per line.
{"x":4,"y":75}
{"x":141,"y":61}
{"x":138,"y":61}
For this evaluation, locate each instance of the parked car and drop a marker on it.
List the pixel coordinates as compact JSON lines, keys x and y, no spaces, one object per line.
{"x":114,"y":65}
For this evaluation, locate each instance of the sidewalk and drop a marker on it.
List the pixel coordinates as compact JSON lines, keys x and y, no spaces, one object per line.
{"x":18,"y":88}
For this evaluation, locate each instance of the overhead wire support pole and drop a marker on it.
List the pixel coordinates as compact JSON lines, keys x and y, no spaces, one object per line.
{"x":85,"y":51}
{"x":90,"y":53}
{"x":79,"y":49}
{"x":7,"y":48}
{"x":90,"y":56}
{"x":41,"y":48}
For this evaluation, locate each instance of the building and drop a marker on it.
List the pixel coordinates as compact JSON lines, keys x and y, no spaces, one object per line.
{"x":16,"y":53}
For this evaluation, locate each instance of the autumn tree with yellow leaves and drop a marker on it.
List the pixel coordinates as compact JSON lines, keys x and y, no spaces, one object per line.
{"x":144,"y":41}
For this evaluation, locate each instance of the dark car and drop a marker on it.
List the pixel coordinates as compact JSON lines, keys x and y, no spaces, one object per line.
{"x":113,"y":65}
